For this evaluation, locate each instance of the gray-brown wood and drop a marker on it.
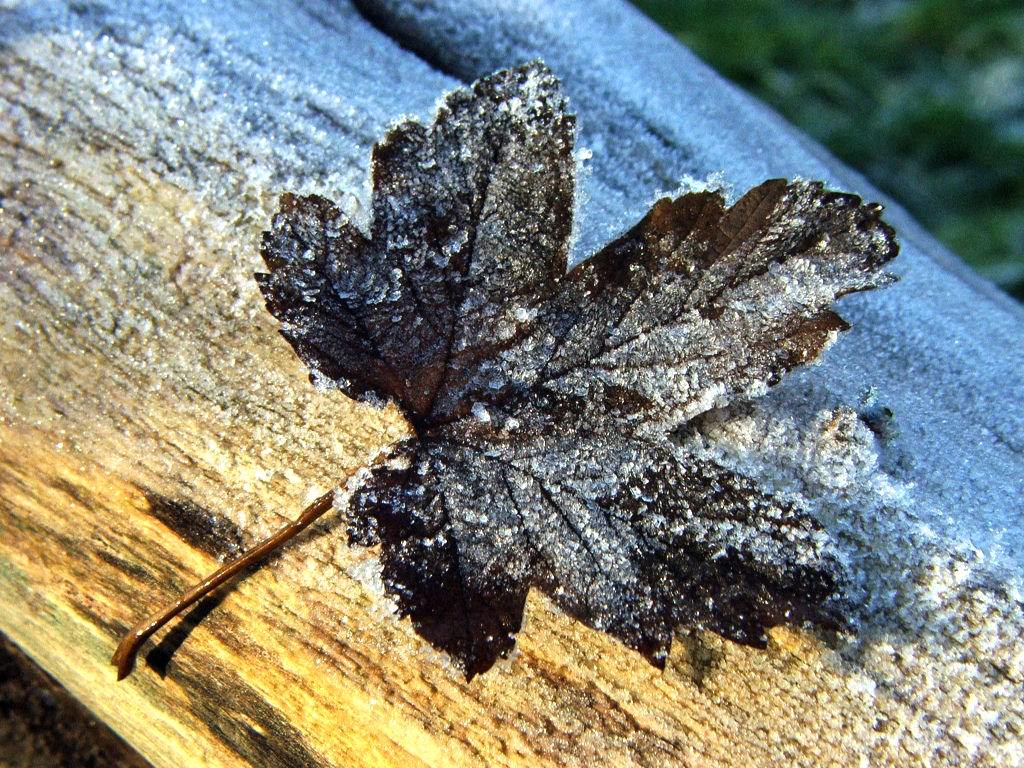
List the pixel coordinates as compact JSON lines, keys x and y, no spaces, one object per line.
{"x":153,"y":421}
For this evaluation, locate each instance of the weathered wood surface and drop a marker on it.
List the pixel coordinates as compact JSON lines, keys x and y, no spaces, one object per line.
{"x":152,"y":420}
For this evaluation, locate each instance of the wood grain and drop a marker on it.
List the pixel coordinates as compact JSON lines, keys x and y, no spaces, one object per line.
{"x":152,"y":421}
{"x":282,"y":674}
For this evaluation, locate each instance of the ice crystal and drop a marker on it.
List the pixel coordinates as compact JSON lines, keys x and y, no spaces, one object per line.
{"x":545,"y":403}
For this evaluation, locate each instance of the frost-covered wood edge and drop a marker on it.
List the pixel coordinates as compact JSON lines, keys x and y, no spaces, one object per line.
{"x":152,"y":419}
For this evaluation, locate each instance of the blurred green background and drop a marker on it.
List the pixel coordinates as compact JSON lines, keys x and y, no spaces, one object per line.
{"x":924,"y":97}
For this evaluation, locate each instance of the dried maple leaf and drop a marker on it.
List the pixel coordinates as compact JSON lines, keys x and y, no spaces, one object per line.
{"x":544,"y":401}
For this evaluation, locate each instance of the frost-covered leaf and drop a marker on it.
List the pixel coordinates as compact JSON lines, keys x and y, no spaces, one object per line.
{"x":544,"y":402}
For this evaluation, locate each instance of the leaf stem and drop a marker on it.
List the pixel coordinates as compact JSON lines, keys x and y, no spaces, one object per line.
{"x":124,"y":656}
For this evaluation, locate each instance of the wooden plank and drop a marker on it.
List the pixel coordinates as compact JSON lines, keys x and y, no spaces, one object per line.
{"x":152,"y":420}
{"x":282,"y":672}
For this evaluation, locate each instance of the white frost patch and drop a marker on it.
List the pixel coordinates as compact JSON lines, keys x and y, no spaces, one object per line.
{"x":369,"y":573}
{"x":932,"y":622}
{"x":480,"y":412}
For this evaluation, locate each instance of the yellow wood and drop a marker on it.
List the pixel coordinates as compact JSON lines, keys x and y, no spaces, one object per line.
{"x":284,"y":673}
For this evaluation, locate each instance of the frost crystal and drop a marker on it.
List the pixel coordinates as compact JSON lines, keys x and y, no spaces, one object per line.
{"x":545,"y":402}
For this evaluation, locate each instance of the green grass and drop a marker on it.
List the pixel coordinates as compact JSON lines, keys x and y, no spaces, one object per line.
{"x":925,"y":97}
